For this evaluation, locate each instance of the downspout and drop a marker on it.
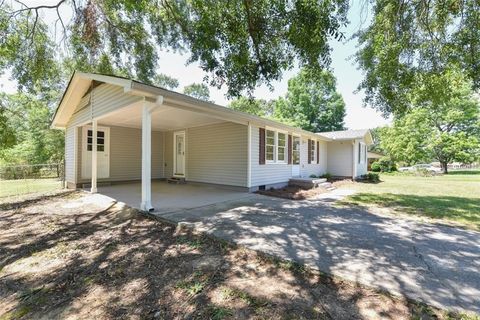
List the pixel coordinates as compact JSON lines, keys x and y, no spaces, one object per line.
{"x":249,"y":156}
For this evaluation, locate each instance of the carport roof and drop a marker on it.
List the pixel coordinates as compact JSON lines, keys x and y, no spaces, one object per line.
{"x":80,"y":83}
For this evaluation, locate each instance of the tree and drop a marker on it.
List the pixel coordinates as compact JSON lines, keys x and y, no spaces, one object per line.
{"x":409,"y":38}
{"x":443,"y":125}
{"x":312,"y":102}
{"x":198,"y":90}
{"x":239,"y":44}
{"x":164,"y":81}
{"x":258,"y":107}
{"x":35,"y":142}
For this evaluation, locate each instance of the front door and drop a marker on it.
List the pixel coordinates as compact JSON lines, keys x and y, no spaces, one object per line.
{"x":179,"y":153}
{"x":103,"y":151}
{"x":296,"y":156}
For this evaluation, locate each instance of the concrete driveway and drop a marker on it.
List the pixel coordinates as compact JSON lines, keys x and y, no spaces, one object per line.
{"x":437,"y":264}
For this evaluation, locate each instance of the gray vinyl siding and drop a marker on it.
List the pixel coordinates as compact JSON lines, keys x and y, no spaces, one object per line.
{"x":276,"y":173}
{"x":126,"y":154}
{"x":106,"y":98}
{"x":70,"y":154}
{"x":317,"y":169}
{"x":340,"y":158}
{"x":168,"y":159}
{"x":217,"y":154}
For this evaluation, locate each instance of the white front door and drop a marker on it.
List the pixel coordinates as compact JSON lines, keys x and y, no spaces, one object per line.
{"x":296,"y":156}
{"x":103,"y":152}
{"x":179,"y":153}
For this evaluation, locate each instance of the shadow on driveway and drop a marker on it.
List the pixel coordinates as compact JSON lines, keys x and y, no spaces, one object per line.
{"x":435,"y":264}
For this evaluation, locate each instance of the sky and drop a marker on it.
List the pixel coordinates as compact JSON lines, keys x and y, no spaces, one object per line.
{"x":343,"y":67}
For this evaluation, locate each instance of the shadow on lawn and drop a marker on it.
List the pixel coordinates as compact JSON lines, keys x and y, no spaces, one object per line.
{"x":118,"y":264}
{"x":460,"y":209}
{"x":464,"y":172}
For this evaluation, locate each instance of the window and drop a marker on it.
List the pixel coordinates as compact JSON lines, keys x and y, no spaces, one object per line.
{"x":270,"y":146}
{"x":281,"y":146}
{"x":296,"y":150}
{"x":100,"y":140}
{"x":313,"y":151}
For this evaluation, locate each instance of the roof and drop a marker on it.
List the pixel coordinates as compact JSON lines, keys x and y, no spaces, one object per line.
{"x":374,"y":155}
{"x":80,"y":83}
{"x":346,"y":134}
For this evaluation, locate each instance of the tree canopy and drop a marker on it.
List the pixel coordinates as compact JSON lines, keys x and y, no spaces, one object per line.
{"x":312,"y":102}
{"x":409,"y":38}
{"x":258,"y":107}
{"x":239,"y":44}
{"x":198,"y":90}
{"x":442,"y":126}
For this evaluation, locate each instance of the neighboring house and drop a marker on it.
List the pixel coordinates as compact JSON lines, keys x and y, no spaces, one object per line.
{"x":118,"y":130}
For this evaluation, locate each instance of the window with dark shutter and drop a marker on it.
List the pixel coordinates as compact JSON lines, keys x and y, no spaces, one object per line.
{"x":261,"y":144}
{"x":289,"y":149}
{"x":309,"y":151}
{"x":318,"y":152}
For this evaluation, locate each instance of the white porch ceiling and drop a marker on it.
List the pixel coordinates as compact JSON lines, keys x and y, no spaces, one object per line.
{"x":164,"y":118}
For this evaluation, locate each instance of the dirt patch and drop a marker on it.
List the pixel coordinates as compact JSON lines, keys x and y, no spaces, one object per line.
{"x":298,"y":193}
{"x":76,"y":257}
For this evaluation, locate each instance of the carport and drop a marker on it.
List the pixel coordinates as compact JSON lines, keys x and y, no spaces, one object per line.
{"x":169,"y":198}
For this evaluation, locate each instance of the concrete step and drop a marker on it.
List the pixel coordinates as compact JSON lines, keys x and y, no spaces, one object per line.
{"x":176,"y":180}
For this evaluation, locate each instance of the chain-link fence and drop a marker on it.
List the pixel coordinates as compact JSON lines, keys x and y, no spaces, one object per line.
{"x":16,"y":180}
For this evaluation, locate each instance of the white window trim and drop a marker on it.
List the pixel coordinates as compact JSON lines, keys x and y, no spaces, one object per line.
{"x":275,"y":146}
{"x":299,"y":148}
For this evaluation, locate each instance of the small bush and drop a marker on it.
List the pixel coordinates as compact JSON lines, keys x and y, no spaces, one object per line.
{"x":384,"y":164}
{"x":370,"y":177}
{"x":375,"y":167}
{"x":313,"y":176}
{"x":327,"y":176}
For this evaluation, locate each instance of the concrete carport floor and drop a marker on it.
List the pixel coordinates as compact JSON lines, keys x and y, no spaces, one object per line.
{"x":167,"y":197}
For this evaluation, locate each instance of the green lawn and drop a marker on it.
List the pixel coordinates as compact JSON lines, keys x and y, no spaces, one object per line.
{"x":19,"y":187}
{"x":454,"y":197}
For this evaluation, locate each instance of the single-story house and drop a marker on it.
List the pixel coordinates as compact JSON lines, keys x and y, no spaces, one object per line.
{"x":119,"y":130}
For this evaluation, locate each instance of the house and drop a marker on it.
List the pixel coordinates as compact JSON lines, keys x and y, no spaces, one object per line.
{"x":119,"y":130}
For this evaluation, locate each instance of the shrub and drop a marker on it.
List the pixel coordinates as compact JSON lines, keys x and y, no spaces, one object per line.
{"x":375,"y":167}
{"x":370,"y":177}
{"x":313,"y":176}
{"x":384,"y":164}
{"x":327,"y":176}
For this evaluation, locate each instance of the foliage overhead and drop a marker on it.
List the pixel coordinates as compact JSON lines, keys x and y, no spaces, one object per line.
{"x":165,"y":81}
{"x":198,"y":90}
{"x":240,"y":44}
{"x":443,"y":126}
{"x":258,"y":107}
{"x":408,"y":38}
{"x":312,"y":102}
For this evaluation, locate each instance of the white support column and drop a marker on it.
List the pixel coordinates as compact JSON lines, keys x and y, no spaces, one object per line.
{"x":249,"y":156}
{"x":94,"y":157}
{"x":146,"y":204}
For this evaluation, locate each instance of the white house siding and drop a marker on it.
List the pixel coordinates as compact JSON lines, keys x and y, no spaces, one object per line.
{"x":217,"y":154}
{"x":362,"y":166}
{"x":126,"y":154}
{"x":70,"y":135}
{"x":340,"y":158}
{"x":106,"y":98}
{"x":277,"y":174}
{"x":317,"y":169}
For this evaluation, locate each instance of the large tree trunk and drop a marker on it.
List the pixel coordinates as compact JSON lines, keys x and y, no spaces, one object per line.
{"x":444,"y":167}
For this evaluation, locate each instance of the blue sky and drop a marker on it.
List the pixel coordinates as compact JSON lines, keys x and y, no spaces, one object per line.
{"x":348,"y":77}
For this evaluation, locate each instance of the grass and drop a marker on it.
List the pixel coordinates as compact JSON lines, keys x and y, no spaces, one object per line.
{"x":454,"y":197}
{"x":24,"y":186}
